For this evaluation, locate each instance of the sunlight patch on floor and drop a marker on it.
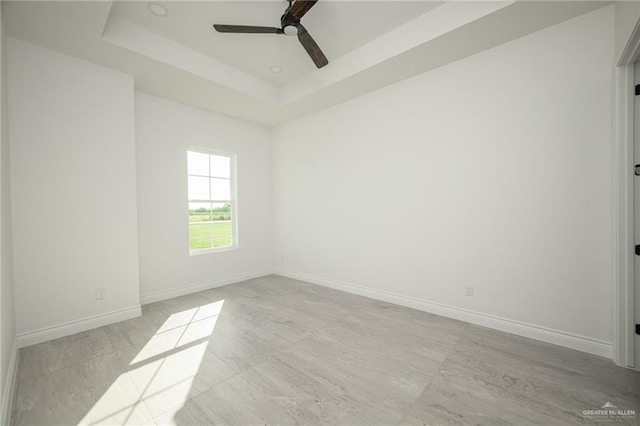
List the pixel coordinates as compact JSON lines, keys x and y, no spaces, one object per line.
{"x":163,"y":373}
{"x":118,"y":405}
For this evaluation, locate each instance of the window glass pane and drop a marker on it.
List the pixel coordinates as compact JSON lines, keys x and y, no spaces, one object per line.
{"x":221,"y":212}
{"x":209,"y":178}
{"x":198,"y":188}
{"x":197,"y":163}
{"x":201,"y":229}
{"x":201,"y":236}
{"x":220,"y":166}
{"x":222,"y":227}
{"x":220,"y":189}
{"x":199,"y":212}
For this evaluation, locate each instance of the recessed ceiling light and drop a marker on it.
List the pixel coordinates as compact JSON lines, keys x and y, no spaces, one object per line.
{"x":158,"y":10}
{"x":276,"y":69}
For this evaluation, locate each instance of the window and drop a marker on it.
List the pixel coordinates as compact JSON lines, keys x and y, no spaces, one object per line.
{"x":212,"y":208}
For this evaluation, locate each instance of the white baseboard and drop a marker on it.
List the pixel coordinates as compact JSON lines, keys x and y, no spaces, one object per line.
{"x":158,"y":296}
{"x":66,"y":329}
{"x":556,"y":337}
{"x":49,"y":333}
{"x":9,"y":386}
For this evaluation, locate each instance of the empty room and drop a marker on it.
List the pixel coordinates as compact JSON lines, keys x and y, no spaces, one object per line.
{"x":319,"y":212}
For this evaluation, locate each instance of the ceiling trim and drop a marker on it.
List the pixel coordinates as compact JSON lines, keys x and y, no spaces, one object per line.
{"x":426,"y":27}
{"x":135,"y":38}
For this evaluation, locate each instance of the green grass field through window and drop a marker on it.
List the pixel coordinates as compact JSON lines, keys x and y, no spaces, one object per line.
{"x":212,"y":234}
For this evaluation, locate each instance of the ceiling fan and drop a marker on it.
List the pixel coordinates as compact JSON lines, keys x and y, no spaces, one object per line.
{"x":289,"y":25}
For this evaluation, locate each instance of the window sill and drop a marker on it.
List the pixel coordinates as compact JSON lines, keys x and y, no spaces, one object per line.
{"x":211,"y":250}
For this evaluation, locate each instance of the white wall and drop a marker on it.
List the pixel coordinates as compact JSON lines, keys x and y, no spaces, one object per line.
{"x":7,"y":305}
{"x":164,"y":131}
{"x":627,"y":14}
{"x":494,"y":171}
{"x":73,"y":188}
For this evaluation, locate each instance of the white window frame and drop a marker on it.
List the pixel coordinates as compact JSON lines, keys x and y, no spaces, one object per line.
{"x":233,"y":201}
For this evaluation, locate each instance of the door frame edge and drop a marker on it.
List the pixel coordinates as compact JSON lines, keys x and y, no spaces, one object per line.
{"x":623,"y":236}
{"x":623,"y":331}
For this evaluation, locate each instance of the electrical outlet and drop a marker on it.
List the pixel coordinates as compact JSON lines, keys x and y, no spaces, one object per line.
{"x":468,"y":290}
{"x":100,"y":293}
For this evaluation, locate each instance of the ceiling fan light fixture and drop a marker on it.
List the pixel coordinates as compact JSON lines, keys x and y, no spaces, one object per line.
{"x":290,"y":30}
{"x":158,"y":9}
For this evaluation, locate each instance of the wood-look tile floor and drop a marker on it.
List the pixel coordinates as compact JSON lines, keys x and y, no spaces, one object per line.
{"x":279,"y":351}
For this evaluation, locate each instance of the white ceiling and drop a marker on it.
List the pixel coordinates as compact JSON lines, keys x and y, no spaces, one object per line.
{"x":369,"y":45}
{"x":337,"y":27}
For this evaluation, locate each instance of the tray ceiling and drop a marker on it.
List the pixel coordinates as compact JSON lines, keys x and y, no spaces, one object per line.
{"x":370,"y":44}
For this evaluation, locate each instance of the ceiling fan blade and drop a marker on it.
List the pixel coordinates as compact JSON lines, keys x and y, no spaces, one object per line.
{"x":246,"y":29}
{"x":300,"y":7}
{"x":311,"y":47}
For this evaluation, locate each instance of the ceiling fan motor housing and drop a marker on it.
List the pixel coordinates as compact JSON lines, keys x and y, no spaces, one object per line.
{"x":290,"y":30}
